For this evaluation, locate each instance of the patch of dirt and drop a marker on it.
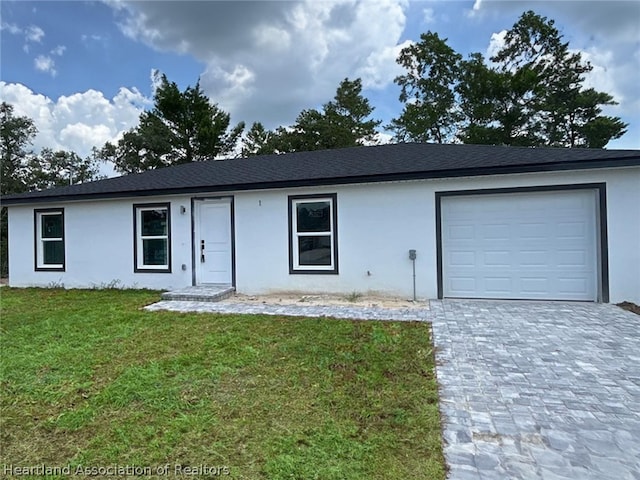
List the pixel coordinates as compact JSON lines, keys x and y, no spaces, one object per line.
{"x":632,"y":307}
{"x":350,"y":300}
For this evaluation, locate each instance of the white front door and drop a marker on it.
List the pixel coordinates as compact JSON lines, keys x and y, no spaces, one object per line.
{"x":212,"y":242}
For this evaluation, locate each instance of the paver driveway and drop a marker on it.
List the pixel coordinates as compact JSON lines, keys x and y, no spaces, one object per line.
{"x":544,"y":390}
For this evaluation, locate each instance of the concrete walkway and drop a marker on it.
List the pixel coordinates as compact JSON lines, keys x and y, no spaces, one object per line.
{"x":528,"y":390}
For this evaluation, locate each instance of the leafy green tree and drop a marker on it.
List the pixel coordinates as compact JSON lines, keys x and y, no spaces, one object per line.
{"x":343,"y":122}
{"x":477,"y":91}
{"x":492,"y":105}
{"x":259,"y":141}
{"x":346,"y":118}
{"x":532,"y":94}
{"x":182,"y":127}
{"x":55,"y":169}
{"x":550,"y":93}
{"x":430,"y":112}
{"x":16,"y":135}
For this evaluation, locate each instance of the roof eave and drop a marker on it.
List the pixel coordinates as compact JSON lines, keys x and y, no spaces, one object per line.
{"x":322,"y":182}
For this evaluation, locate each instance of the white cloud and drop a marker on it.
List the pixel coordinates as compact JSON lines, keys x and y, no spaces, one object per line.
{"x":12,"y":28}
{"x":267,"y":61}
{"x":45,"y":63}
{"x":429,"y":16}
{"x":618,"y":79}
{"x":59,"y":50}
{"x":496,"y":43}
{"x":156,"y":80}
{"x":233,"y":85}
{"x":381,"y":68}
{"x":33,"y":34}
{"x":84,"y":136}
{"x":603,"y":75}
{"x":76,"y":122}
{"x":272,"y":38}
{"x":88,"y":39}
{"x":475,"y":10}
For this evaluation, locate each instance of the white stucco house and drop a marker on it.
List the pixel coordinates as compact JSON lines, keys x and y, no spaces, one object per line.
{"x":484,"y":221}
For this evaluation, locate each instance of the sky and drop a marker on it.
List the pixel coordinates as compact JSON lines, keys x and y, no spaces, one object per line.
{"x":83,"y":70}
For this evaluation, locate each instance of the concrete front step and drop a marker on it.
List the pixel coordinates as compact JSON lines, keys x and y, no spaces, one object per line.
{"x":200,"y":293}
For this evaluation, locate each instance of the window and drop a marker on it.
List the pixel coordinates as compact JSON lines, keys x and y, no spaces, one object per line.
{"x":313,"y":236}
{"x":152,"y":238}
{"x":49,"y":239}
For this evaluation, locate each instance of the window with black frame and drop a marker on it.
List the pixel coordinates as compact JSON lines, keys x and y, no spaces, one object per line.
{"x":49,"y":241}
{"x":312,"y":222}
{"x":152,"y":238}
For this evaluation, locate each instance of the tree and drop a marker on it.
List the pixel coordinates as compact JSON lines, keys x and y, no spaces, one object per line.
{"x":258,"y":141}
{"x":16,"y":135}
{"x":492,"y":105}
{"x":345,"y":118}
{"x":559,"y":111}
{"x":532,"y":94}
{"x":182,"y":127}
{"x":56,"y":169}
{"x":477,"y":91}
{"x":430,"y":112}
{"x":343,"y":122}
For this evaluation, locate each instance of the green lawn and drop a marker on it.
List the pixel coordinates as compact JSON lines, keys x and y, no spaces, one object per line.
{"x":87,"y":378}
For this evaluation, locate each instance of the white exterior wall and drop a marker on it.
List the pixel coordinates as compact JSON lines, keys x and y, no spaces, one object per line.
{"x":623,"y":216}
{"x":98,"y":245}
{"x":377,"y":225}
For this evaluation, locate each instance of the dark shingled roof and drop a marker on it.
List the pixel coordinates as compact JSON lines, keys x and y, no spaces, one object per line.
{"x":403,"y":161}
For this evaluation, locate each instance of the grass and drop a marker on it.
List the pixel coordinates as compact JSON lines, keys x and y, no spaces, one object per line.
{"x":88,"y":379}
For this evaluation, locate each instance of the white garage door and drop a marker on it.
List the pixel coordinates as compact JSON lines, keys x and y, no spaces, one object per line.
{"x":520,"y":246}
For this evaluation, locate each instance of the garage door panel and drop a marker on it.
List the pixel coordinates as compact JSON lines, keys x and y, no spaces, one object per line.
{"x":531,"y":231}
{"x":576,"y":286}
{"x":533,"y":258}
{"x":496,"y":232}
{"x":523,"y":245}
{"x":461,"y":232}
{"x":497,"y":258}
{"x":463,"y":284}
{"x":572,"y":258}
{"x":463,"y":259}
{"x":498,"y":285}
{"x":537,"y":286}
{"x":571,"y":230}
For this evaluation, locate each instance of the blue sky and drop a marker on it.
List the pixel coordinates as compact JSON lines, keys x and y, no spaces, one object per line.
{"x":83,"y":69}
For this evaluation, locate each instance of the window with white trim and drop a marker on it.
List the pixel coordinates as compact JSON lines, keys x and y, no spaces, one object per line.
{"x":152,"y":232}
{"x":313,"y":236}
{"x":49,"y":241}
